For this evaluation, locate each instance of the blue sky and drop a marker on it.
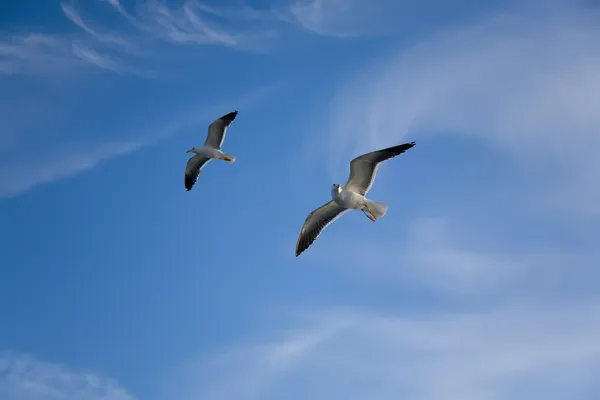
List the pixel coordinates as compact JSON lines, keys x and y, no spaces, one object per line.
{"x":480,"y":282}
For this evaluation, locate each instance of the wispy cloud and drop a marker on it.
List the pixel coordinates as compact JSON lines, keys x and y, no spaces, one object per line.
{"x":455,"y":256}
{"x":35,"y":54}
{"x":19,"y":176}
{"x":268,"y":361}
{"x":510,"y":352}
{"x":23,"y":377}
{"x":345,"y":18}
{"x":523,"y":81}
{"x":63,"y":159}
{"x":74,"y":16}
{"x":194,"y":23}
{"x":135,"y":36}
{"x":151,"y":27}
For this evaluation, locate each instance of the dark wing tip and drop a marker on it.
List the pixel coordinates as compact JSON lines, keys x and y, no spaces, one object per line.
{"x":300,"y":250}
{"x":407,"y":146}
{"x":189,"y":182}
{"x":300,"y":247}
{"x":230,"y":117}
{"x":401,"y":148}
{"x":303,"y":242}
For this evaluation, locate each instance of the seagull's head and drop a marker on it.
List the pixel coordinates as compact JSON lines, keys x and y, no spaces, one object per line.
{"x":192,"y":150}
{"x":337,"y":188}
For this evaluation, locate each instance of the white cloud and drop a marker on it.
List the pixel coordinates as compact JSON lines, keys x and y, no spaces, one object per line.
{"x":60,"y":158}
{"x":514,"y":352}
{"x":453,"y":256}
{"x":91,"y":56}
{"x":34,"y":54}
{"x":524,"y":81}
{"x":25,"y":174}
{"x":125,"y":48}
{"x":23,"y":377}
{"x":346,"y":18}
{"x":354,"y":18}
{"x":75,"y":17}
{"x":195,"y":23}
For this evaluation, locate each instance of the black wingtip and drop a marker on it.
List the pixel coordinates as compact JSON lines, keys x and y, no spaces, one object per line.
{"x":406,"y":146}
{"x":230,"y":117}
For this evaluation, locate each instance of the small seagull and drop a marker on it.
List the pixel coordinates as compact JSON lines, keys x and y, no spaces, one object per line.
{"x":351,"y":197}
{"x":211,"y":149}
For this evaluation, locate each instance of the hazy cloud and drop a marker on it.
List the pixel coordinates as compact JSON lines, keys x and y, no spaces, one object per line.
{"x":144,"y":33}
{"x":513,"y":352}
{"x":64,"y":158}
{"x":524,"y":82}
{"x":23,"y":377}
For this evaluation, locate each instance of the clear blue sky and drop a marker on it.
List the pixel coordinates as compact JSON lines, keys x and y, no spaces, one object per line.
{"x":480,"y":283}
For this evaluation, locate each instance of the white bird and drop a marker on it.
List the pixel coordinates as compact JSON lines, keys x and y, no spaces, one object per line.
{"x":351,"y":197}
{"x":211,"y":149}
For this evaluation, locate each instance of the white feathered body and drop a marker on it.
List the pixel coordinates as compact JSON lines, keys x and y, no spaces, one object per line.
{"x":355,"y":201}
{"x":348,"y":199}
{"x":211,"y":152}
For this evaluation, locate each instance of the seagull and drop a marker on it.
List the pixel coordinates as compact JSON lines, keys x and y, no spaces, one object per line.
{"x":350,"y":197}
{"x":211,"y":149}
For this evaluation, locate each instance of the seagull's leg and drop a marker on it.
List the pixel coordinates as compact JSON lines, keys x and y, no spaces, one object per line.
{"x":370,"y":215}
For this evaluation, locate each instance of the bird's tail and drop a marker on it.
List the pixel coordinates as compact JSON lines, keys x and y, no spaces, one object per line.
{"x":230,"y":158}
{"x":377,"y":208}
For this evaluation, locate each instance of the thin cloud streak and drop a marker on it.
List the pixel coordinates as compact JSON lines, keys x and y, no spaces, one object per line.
{"x":344,"y":18}
{"x":34,"y":54}
{"x":65,"y":160}
{"x":438,"y":255}
{"x":17,"y":178}
{"x":154,"y":24}
{"x":347,"y":19}
{"x":23,"y":377}
{"x":504,"y":353}
{"x":74,"y":16}
{"x":150,"y":28}
{"x":524,"y":82}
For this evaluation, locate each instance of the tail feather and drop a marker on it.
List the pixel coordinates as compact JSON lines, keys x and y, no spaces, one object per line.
{"x":230,"y":158}
{"x":377,"y":208}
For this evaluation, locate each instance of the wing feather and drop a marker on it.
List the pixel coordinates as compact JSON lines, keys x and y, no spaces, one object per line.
{"x":316,"y":221}
{"x":363,"y":169}
{"x":217,"y":130}
{"x":192,"y":170}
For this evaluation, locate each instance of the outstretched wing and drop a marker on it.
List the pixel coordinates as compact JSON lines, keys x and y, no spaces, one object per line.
{"x":217,"y":130}
{"x":192,"y":170}
{"x":316,"y":221}
{"x":363,"y":169}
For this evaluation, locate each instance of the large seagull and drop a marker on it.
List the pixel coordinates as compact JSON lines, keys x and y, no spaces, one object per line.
{"x":350,"y":197}
{"x":211,"y":149}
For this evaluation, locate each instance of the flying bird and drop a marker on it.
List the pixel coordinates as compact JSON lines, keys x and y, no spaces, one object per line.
{"x":211,"y":149}
{"x":350,"y":197}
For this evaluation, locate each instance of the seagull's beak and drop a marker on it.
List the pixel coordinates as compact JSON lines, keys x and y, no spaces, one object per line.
{"x":189,"y":151}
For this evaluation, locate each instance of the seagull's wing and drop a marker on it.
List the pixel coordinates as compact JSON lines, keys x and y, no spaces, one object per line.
{"x":192,"y":170}
{"x":364,"y":168}
{"x":316,"y":221}
{"x":217,"y":130}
